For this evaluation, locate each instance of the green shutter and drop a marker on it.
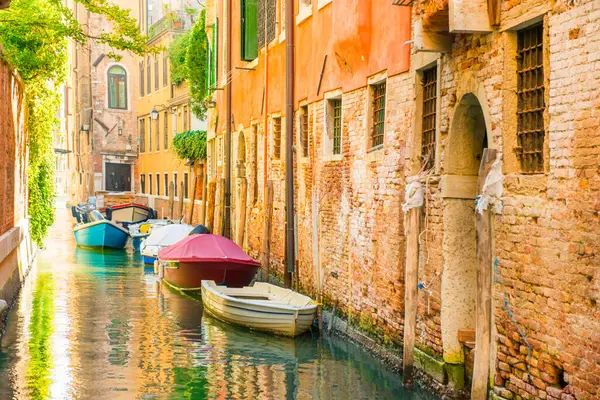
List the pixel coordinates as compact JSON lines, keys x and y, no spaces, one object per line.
{"x":249,"y":26}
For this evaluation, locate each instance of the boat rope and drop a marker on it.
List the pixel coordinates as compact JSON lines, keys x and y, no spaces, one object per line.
{"x":506,"y":305}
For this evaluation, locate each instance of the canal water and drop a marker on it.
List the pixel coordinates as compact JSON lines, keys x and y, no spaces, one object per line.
{"x":98,"y":325}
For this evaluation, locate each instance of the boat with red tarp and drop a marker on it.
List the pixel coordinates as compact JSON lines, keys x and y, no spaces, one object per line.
{"x":207,"y":257}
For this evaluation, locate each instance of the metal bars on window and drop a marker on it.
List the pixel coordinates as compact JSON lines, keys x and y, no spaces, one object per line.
{"x":429,"y":116}
{"x":142,"y":133}
{"x":277,"y":138}
{"x":336,"y":106}
{"x":530,"y":104}
{"x":270,"y":6}
{"x":378,"y":114}
{"x":304,"y":130}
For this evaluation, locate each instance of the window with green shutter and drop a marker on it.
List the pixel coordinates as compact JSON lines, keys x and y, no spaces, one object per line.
{"x":249,"y":23}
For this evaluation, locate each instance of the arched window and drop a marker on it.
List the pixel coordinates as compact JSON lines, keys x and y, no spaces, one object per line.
{"x":117,"y":87}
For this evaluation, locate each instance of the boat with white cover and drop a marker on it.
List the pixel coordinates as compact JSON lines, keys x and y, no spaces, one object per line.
{"x":161,"y":237}
{"x":262,"y":307}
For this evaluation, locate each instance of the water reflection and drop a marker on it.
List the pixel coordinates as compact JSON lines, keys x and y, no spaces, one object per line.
{"x":97,"y":324}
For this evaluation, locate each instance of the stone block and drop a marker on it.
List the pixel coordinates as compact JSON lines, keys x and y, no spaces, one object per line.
{"x":456,"y":375}
{"x":433,"y":366}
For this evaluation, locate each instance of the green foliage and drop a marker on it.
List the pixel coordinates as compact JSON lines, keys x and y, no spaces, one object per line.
{"x":177,"y":55}
{"x":190,"y":145}
{"x":197,"y":62}
{"x":33,"y":39}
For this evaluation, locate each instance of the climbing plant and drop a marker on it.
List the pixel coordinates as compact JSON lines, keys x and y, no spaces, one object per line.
{"x":190,"y":145}
{"x":33,"y":39}
{"x":197,"y":63}
{"x":177,"y":53}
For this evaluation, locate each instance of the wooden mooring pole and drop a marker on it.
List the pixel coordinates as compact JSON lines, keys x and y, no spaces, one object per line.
{"x":483,"y":231}
{"x":191,"y":219}
{"x":181,"y":205}
{"x":240,"y":206}
{"x":210,"y":206}
{"x":267,"y":231}
{"x":411,"y":293}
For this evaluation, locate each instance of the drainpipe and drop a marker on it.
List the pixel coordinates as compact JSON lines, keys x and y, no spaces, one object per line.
{"x":227,"y":227}
{"x":289,"y":150}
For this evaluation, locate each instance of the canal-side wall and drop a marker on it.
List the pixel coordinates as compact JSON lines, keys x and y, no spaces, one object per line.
{"x":16,"y":247}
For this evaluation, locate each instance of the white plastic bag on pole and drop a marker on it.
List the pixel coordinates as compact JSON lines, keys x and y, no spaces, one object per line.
{"x":491,"y":194}
{"x":413,"y":195}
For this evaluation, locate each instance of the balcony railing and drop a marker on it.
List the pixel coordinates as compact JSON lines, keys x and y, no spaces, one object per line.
{"x":174,"y":20}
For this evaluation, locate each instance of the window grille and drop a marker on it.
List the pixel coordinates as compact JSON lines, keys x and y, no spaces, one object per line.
{"x":158,"y":184}
{"x":175,"y":184}
{"x":378,"y":114}
{"x":304,"y":130}
{"x":530,"y":104}
{"x":143,"y":183}
{"x":269,"y":20}
{"x":117,"y":87}
{"x":429,"y":114}
{"x":156,"y":72}
{"x":165,"y":69}
{"x":336,"y":106}
{"x":149,"y":77}
{"x":277,"y":138}
{"x":150,"y":182}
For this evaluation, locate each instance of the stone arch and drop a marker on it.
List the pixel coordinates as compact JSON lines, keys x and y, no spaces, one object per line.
{"x":469,"y":135}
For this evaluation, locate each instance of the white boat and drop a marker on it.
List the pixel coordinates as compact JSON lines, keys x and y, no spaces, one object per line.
{"x":262,"y":307}
{"x":161,"y":237}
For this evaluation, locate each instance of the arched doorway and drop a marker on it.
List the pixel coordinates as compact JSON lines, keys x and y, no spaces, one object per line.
{"x":467,"y":139}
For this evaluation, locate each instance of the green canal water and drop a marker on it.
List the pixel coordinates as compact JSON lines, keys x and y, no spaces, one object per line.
{"x":98,"y":325}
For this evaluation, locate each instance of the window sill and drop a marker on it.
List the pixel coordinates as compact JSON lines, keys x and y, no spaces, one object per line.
{"x":333,"y":158}
{"x":304,"y":14}
{"x":375,"y":154}
{"x":117,"y":110}
{"x":323,"y":3}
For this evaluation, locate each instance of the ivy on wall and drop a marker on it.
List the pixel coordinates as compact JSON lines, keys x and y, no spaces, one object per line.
{"x":33,"y":39}
{"x":190,"y":145}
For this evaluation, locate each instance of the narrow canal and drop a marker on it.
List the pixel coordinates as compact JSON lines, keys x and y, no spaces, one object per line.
{"x":98,"y":325}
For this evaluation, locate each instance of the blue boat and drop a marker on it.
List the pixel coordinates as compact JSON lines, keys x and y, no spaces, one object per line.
{"x":136,"y":240}
{"x":99,"y":232}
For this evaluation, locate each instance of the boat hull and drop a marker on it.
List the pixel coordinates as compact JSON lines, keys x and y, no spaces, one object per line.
{"x":190,"y":275}
{"x":136,"y":241}
{"x":149,"y":260}
{"x":101,"y":234}
{"x":260,"y":317}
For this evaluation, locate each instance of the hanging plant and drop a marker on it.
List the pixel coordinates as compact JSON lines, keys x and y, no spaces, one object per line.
{"x":190,"y":145}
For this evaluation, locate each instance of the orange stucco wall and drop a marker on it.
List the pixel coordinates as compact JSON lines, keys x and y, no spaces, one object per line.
{"x":369,"y":35}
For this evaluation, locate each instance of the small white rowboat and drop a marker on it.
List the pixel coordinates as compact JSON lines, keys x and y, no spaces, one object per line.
{"x":262,"y":307}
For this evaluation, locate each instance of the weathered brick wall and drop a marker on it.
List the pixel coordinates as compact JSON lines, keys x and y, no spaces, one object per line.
{"x":547,"y":240}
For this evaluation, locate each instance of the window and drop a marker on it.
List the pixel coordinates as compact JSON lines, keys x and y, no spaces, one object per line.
{"x":530,"y":103}
{"x":277,"y":138}
{"x":149,"y":134}
{"x":156,"y":73}
{"x":165,"y":65}
{"x":117,"y":87}
{"x":158,"y":184}
{"x":149,"y":77}
{"x":429,"y":114}
{"x":166,"y":128}
{"x":141,"y":79}
{"x":185,"y":185}
{"x":142,"y":135}
{"x":150,"y":182}
{"x":143,"y":183}
{"x":158,"y":132}
{"x":304,"y":130}
{"x":378,"y":116}
{"x":175,"y":184}
{"x":166,"y":184}
{"x":249,"y":43}
{"x":185,"y":119}
{"x":266,"y":18}
{"x":305,"y":10}
{"x":336,"y":107}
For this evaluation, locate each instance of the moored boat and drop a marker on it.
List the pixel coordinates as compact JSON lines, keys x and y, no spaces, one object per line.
{"x":262,"y":307}
{"x":207,"y":257}
{"x":99,"y":232}
{"x":162,"y":237}
{"x":129,"y":213}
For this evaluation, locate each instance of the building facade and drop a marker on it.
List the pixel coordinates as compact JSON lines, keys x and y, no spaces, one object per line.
{"x":99,"y":113}
{"x":163,"y":111}
{"x":389,"y":94}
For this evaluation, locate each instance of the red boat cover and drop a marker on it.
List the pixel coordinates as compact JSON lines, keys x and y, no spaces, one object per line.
{"x":207,"y":248}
